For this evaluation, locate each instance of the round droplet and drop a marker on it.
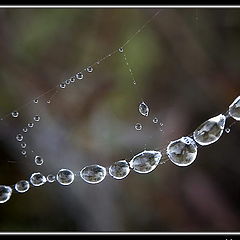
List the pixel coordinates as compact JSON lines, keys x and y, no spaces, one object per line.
{"x":120,"y":50}
{"x":37,"y":179}
{"x":234,"y":109}
{"x":62,"y":85}
{"x":30,"y":125}
{"x":38,"y":160}
{"x":182,"y":152}
{"x":155,"y":120}
{"x":119,"y":170}
{"x":143,"y":109}
{"x":79,"y":76}
{"x":138,"y":126}
{"x":24,"y":152}
{"x":25,"y":130}
{"x":93,"y":174}
{"x":210,"y":131}
{"x":67,"y":81}
{"x":5,"y":193}
{"x":48,"y":101}
{"x":65,"y":176}
{"x":36,"y":118}
{"x":22,"y":186}
{"x":89,"y":69}
{"x":19,"y":137}
{"x":227,"y":130}
{"x":145,"y":161}
{"x":51,"y":178}
{"x":23,"y":145}
{"x":35,"y":100}
{"x":15,"y":114}
{"x":72,"y":79}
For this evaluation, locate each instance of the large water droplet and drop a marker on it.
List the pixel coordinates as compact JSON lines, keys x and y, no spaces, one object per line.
{"x":51,"y":178}
{"x":15,"y":114}
{"x":143,"y":109}
{"x":210,"y":131}
{"x":22,"y":186}
{"x":5,"y":193}
{"x":145,"y":161}
{"x":65,"y":176}
{"x":182,"y":152}
{"x":19,"y":137}
{"x":93,"y":173}
{"x":138,"y":126}
{"x":119,"y":170}
{"x":36,"y":118}
{"x":38,"y":160}
{"x":37,"y":179}
{"x":234,"y":109}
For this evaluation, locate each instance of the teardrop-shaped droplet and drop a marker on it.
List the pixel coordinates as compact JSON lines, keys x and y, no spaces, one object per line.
{"x":145,"y":161}
{"x":65,"y":176}
{"x":51,"y":178}
{"x":19,"y":137}
{"x":38,"y":160}
{"x":119,"y":170}
{"x":93,"y":173}
{"x":182,"y":152}
{"x":143,"y":109}
{"x":5,"y":193}
{"x":79,"y":76}
{"x":36,"y":118}
{"x":22,"y":186}
{"x":210,"y":131}
{"x":15,"y":114}
{"x":234,"y":109}
{"x":37,"y":179}
{"x":138,"y":126}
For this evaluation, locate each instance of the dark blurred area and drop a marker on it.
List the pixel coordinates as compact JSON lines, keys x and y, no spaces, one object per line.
{"x":186,"y":66}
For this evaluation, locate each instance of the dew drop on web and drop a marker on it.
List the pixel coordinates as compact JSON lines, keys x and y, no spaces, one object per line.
{"x":143,"y":109}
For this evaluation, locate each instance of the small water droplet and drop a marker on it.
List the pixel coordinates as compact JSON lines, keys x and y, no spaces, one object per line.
{"x":62,"y":85}
{"x":30,"y":125}
{"x":143,"y":109}
{"x":35,"y":100}
{"x":93,"y":174}
{"x":19,"y":137}
{"x":79,"y":76}
{"x":134,"y":82}
{"x":5,"y":193}
{"x":38,"y":160}
{"x":155,"y":120}
{"x":22,"y":186}
{"x":36,"y":118}
{"x":227,"y":130}
{"x":65,"y":176}
{"x":24,"y":152}
{"x":98,"y":62}
{"x":234,"y":109}
{"x":48,"y":101}
{"x":89,"y":69}
{"x":15,"y":114}
{"x":51,"y":178}
{"x":67,"y":81}
{"x":120,"y":50}
{"x":23,"y":145}
{"x":119,"y":170}
{"x":25,"y":130}
{"x":138,"y":126}
{"x":72,"y":79}
{"x":37,"y":179}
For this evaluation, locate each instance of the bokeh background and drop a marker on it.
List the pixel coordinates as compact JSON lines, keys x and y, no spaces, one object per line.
{"x":186,"y":66}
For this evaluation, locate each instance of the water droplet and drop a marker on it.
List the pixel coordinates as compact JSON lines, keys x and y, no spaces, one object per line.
{"x":138,"y":126}
{"x":38,"y":160}
{"x":23,"y":144}
{"x":25,"y":130}
{"x":143,"y":109}
{"x":93,"y":173}
{"x":30,"y":125}
{"x":155,"y":120}
{"x":65,"y":176}
{"x":119,"y":170}
{"x":210,"y":131}
{"x":37,"y":179}
{"x":227,"y":130}
{"x":120,"y":50}
{"x":134,"y":82}
{"x":68,"y":81}
{"x":5,"y":193}
{"x":234,"y":109}
{"x":182,"y":152}
{"x":22,"y":186}
{"x":62,"y":85}
{"x":145,"y":161}
{"x":35,"y":100}
{"x":51,"y":178}
{"x":79,"y":76}
{"x":36,"y":118}
{"x":98,"y":62}
{"x":15,"y":114}
{"x":19,"y":137}
{"x":48,"y":101}
{"x":89,"y":69}
{"x":72,"y":79}
{"x":24,"y":152}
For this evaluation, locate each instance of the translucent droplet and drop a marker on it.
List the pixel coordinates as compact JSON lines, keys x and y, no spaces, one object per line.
{"x":89,"y":69}
{"x":72,"y":79}
{"x":120,"y":50}
{"x":62,"y":85}
{"x":25,"y":130}
{"x":134,"y":82}
{"x":155,"y":120}
{"x":65,"y":176}
{"x":35,"y":100}
{"x":38,"y":160}
{"x":119,"y":170}
{"x":93,"y":174}
{"x":15,"y":114}
{"x":5,"y":193}
{"x":30,"y":125}
{"x":24,"y":152}
{"x":22,"y":186}
{"x":138,"y":126}
{"x":234,"y":109}
{"x":37,"y":179}
{"x":68,"y":81}
{"x":79,"y":76}
{"x":182,"y":152}
{"x":48,"y":101}
{"x":227,"y":130}
{"x":19,"y":137}
{"x":51,"y":178}
{"x":210,"y":131}
{"x":23,"y":144}
{"x":36,"y":118}
{"x":143,"y":109}
{"x":145,"y":161}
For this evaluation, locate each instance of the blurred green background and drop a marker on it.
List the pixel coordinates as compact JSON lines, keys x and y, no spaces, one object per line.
{"x":186,"y":66}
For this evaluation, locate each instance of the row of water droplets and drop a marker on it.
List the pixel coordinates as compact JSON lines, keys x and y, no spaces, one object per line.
{"x":181,"y":152}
